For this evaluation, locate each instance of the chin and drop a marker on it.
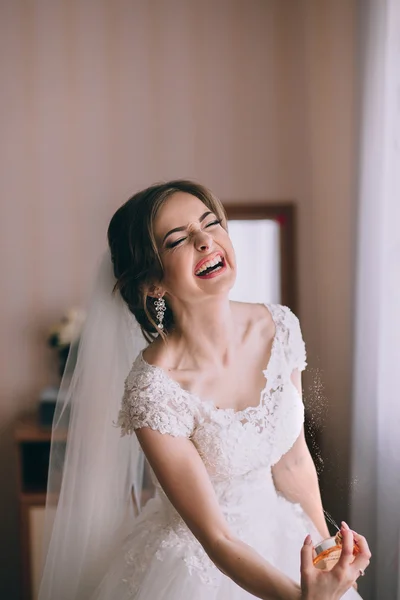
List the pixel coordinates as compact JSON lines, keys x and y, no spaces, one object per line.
{"x":220,"y":286}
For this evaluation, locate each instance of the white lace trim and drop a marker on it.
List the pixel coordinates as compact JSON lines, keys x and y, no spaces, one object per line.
{"x":149,"y":402}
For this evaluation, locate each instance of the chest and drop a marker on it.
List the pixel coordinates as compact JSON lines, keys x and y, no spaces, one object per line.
{"x":234,"y":443}
{"x":240,"y":384}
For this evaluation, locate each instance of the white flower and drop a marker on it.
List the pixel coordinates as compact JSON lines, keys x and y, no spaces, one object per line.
{"x":68,"y":329}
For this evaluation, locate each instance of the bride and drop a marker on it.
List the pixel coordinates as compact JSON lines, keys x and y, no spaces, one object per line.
{"x":211,"y":390}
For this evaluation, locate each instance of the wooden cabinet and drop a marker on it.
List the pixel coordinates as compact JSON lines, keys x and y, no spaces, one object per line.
{"x":33,"y":450}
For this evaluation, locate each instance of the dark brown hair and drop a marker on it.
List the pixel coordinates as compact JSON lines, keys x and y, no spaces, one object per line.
{"x":136,"y":260}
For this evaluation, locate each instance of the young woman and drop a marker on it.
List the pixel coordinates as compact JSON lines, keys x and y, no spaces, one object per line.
{"x":215,"y":401}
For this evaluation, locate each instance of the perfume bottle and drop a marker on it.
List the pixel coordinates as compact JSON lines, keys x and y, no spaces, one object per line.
{"x":327,"y":552}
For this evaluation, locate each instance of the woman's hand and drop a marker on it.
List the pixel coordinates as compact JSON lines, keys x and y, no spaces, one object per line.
{"x":331,"y":585}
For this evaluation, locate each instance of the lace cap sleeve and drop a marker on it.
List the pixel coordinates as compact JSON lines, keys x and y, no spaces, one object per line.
{"x":296,"y":346}
{"x":151,"y":400}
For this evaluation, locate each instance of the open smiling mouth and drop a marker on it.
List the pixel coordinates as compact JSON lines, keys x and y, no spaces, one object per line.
{"x":211,"y":267}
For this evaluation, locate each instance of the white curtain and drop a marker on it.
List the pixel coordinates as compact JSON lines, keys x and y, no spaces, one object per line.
{"x":376,"y":417}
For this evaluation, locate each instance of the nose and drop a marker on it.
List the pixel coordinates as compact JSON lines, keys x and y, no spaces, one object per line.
{"x":202,"y":241}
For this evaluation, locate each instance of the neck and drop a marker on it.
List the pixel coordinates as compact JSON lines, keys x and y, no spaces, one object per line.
{"x":204,"y":333}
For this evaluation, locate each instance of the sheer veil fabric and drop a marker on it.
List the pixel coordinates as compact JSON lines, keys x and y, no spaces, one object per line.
{"x":92,"y":468}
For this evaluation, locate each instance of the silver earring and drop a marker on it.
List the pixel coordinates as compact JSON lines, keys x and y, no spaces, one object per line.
{"x":160,"y":307}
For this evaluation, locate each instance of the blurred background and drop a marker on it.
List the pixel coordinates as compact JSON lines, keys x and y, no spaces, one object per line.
{"x":270,"y":103}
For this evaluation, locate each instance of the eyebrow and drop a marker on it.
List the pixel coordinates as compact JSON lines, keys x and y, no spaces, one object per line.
{"x":203,"y":216}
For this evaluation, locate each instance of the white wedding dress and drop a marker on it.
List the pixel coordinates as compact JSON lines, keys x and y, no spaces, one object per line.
{"x":161,"y":559}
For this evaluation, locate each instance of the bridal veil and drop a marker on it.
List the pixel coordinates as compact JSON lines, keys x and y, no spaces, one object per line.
{"x":93,"y":470}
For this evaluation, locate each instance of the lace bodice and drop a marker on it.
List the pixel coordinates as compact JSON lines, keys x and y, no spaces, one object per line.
{"x":231,"y":443}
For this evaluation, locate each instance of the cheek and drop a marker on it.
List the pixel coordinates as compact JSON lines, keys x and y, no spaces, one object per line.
{"x":176,"y":264}
{"x":226,"y":243}
{"x":224,"y":239}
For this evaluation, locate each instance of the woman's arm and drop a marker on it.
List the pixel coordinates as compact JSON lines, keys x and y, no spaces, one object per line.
{"x":184,"y":478}
{"x":296,"y":478}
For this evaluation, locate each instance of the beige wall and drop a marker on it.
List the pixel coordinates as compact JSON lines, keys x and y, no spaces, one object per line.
{"x":255,"y":98}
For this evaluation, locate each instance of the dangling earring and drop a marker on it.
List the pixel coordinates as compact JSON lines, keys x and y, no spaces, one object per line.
{"x":160,"y":307}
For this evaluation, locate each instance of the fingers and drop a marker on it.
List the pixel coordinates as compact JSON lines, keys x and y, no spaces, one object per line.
{"x":307,"y":556}
{"x":362,"y":559}
{"x":346,"y":556}
{"x":362,"y":544}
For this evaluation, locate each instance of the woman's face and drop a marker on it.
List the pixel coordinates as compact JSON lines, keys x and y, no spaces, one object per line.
{"x":196,"y":251}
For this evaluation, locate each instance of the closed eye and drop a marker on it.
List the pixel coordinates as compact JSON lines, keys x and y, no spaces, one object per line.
{"x":216,"y":222}
{"x":177,"y":242}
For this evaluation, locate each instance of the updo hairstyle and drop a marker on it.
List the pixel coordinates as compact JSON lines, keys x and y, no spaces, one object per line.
{"x":136,"y":260}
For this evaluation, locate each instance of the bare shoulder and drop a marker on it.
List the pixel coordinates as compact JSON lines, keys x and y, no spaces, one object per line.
{"x":254,"y":317}
{"x":155,"y":353}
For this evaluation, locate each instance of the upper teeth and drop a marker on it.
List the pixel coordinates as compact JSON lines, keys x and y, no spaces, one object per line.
{"x":208,"y":264}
